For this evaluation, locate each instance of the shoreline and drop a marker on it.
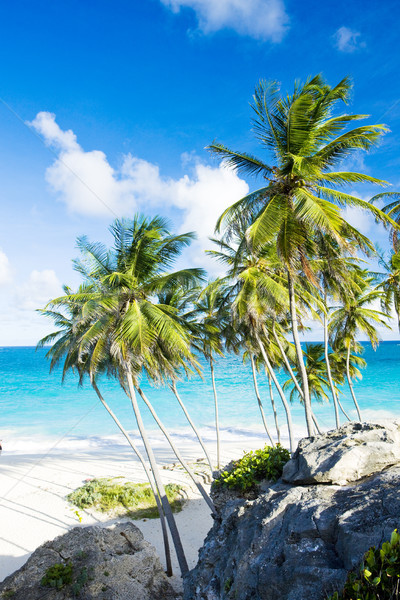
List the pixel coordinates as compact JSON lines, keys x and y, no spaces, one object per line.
{"x":34,"y":509}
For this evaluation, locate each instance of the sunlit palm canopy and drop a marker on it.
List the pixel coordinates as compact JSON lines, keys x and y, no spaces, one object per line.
{"x":337,"y":359}
{"x":119,"y":318}
{"x":393,"y":211}
{"x":316,"y":373}
{"x":357,"y":316}
{"x":305,"y":142}
{"x":390,"y":285}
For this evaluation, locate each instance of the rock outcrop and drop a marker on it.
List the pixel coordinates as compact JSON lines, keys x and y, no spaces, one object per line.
{"x":107,"y":563}
{"x":345,"y":455}
{"x":339,"y":495}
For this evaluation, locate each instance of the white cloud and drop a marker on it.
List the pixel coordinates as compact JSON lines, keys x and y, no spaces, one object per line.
{"x":203,"y":199}
{"x":21,"y":324}
{"x":363,"y":220}
{"x":348,"y":40}
{"x":197,"y":198}
{"x":38,"y":290}
{"x":85,"y":181}
{"x":260,"y":19}
{"x":5,"y":269}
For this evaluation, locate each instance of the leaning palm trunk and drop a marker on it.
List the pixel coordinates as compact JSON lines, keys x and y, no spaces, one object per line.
{"x":216,"y":412}
{"x":176,"y":451}
{"x":350,"y":383}
{"x":280,"y":392}
{"x":154,"y":467}
{"x":193,"y":426}
{"x":328,"y":368}
{"x":271,"y":395}
{"x":314,"y":418}
{"x":293,"y":376}
{"x":260,"y":406}
{"x":343,"y":411}
{"x":148,"y":474}
{"x":300,"y":359}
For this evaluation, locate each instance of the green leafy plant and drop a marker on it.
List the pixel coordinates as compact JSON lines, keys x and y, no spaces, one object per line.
{"x":57,"y":576}
{"x":134,"y":499}
{"x":246,"y":473}
{"x":379,"y":575}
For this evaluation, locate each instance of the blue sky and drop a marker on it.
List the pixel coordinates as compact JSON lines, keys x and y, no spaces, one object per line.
{"x":124,"y":97}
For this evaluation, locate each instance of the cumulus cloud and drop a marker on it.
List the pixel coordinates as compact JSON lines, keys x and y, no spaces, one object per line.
{"x":5,"y":269}
{"x":260,"y":19}
{"x":85,"y":181}
{"x":40,"y":287}
{"x":89,"y":185}
{"x":348,"y":40}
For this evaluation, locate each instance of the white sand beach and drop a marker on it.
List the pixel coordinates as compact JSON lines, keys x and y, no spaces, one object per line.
{"x":34,"y":509}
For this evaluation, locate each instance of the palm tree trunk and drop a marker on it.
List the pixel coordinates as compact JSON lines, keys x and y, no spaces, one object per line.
{"x":328,"y":366}
{"x":271,"y":395}
{"x":193,"y":426}
{"x":350,"y":383}
{"x":286,"y":361}
{"x":315,"y":423}
{"x":148,"y":474}
{"x":280,"y":392}
{"x":216,"y":413}
{"x":154,"y":467}
{"x":343,"y":411}
{"x":260,"y":406}
{"x":176,"y":451}
{"x":293,"y":376}
{"x":300,"y":359}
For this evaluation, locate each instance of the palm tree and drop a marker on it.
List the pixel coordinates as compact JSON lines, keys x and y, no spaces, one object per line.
{"x":183,"y":299}
{"x":393,"y":211}
{"x":338,"y":361}
{"x":271,"y":396}
{"x":316,"y":373}
{"x":125,"y":327}
{"x":390,"y":284}
{"x":254,"y":364}
{"x":249,"y":309}
{"x":284,"y":349}
{"x":211,"y":312}
{"x":300,"y":197}
{"x":65,"y":347}
{"x":333,"y":267}
{"x":353,"y":318}
{"x":253,"y":285}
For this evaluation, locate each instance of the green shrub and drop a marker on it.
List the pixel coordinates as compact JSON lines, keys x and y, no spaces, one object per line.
{"x":266,"y":463}
{"x":57,"y":576}
{"x":134,"y":499}
{"x":379,"y":575}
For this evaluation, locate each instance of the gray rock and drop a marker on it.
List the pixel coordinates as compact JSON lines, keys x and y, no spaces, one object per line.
{"x":108,"y":563}
{"x":344,"y":455}
{"x":299,"y":542}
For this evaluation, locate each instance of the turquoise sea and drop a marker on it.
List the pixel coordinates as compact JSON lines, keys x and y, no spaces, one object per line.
{"x":38,"y":411}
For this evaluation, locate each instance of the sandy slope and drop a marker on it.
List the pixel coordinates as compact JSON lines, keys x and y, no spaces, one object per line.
{"x":33,"y":507}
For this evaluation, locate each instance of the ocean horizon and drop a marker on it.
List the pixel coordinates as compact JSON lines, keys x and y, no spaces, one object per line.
{"x":39,"y":413}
